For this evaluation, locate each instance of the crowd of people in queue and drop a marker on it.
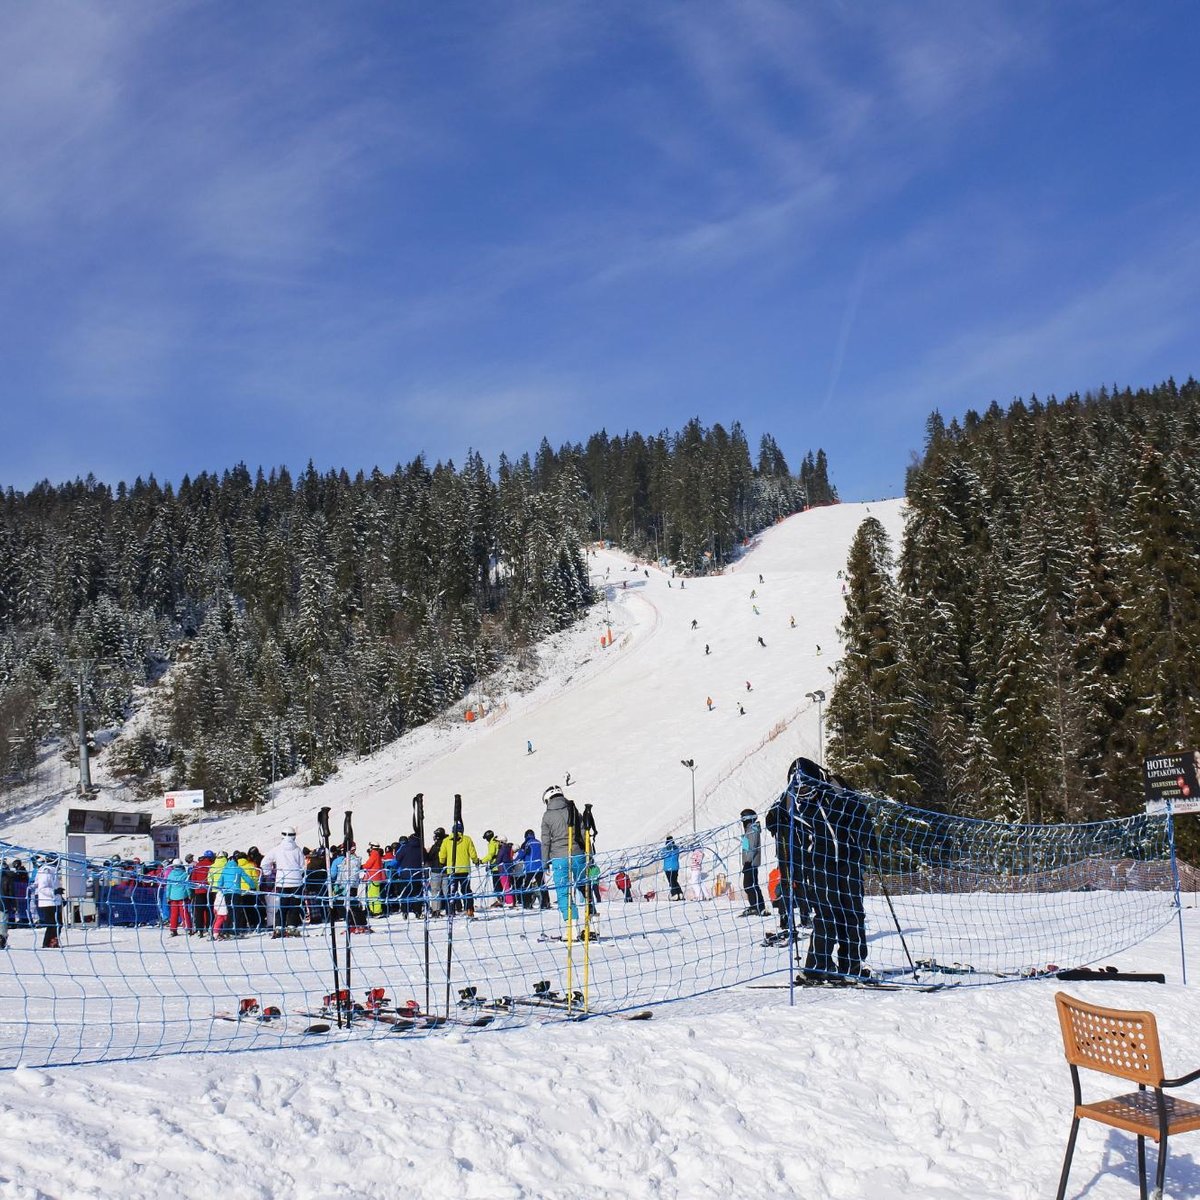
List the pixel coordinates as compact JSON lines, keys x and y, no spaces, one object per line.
{"x":820,"y":834}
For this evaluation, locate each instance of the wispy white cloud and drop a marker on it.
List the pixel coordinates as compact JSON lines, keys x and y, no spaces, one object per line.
{"x":1106,"y":328}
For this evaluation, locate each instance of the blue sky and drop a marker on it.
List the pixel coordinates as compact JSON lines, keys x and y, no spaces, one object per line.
{"x":357,"y":232}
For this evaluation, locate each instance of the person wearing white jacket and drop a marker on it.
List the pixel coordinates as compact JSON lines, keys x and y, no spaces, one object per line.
{"x":286,"y":863}
{"x":46,"y":892}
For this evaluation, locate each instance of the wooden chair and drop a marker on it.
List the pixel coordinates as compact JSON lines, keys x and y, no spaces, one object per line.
{"x":1125,"y":1044}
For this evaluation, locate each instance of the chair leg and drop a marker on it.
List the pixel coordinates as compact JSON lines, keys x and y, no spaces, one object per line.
{"x":1162,"y":1170}
{"x":1062,"y":1183}
{"x":1142,"y":1167}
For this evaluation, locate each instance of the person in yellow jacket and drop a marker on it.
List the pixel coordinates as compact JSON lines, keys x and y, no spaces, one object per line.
{"x":456,"y":856}
{"x":251,"y":899}
{"x":491,"y":860}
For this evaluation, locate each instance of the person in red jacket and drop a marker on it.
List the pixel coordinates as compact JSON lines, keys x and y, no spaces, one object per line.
{"x":374,"y":873}
{"x":201,"y":894}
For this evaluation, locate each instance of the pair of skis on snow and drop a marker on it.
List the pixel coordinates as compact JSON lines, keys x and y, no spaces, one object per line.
{"x":250,"y":1012}
{"x":543,"y":997}
{"x":861,"y":983}
{"x":378,"y":1009}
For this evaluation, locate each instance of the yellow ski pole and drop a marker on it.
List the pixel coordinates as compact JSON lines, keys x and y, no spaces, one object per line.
{"x":570,"y":912}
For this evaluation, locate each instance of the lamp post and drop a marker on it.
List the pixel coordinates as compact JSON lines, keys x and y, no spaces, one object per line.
{"x":819,"y":697}
{"x":690,"y":763}
{"x":604,"y":585}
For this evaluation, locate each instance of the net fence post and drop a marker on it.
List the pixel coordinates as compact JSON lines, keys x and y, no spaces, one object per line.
{"x":1175,"y":884}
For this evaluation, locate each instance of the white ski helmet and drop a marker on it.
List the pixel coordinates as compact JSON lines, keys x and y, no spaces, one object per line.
{"x":553,"y":790}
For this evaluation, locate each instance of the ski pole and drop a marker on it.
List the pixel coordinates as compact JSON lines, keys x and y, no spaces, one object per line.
{"x":587,"y":912}
{"x":323,"y":829}
{"x":419,"y":829}
{"x":347,"y":853}
{"x":452,"y":880}
{"x":896,"y":921}
{"x":571,"y":883}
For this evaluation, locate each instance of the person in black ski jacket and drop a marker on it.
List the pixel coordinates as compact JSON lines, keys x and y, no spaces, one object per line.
{"x":410,"y":860}
{"x":841,"y":834}
{"x":316,"y":888}
{"x":793,"y":841}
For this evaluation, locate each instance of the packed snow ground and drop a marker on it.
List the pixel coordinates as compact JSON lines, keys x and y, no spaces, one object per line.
{"x":846,"y":1095}
{"x":735,"y":1094}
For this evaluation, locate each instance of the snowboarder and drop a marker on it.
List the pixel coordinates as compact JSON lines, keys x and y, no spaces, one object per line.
{"x":529,"y":747}
{"x":818,"y":649}
{"x":762,"y":643}
{"x":695,"y":623}
{"x":760,"y":579}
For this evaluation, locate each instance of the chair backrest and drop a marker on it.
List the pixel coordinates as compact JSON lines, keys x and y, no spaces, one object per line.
{"x":1115,"y":1041}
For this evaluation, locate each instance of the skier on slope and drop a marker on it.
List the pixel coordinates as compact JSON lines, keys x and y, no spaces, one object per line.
{"x":286,"y":863}
{"x":562,"y":848}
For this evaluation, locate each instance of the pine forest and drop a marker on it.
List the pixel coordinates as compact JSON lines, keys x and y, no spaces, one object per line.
{"x":309,"y":618}
{"x":1037,"y":634}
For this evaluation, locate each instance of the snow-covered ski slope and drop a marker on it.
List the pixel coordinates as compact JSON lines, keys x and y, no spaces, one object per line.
{"x":848,"y":1095}
{"x":618,"y":718}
